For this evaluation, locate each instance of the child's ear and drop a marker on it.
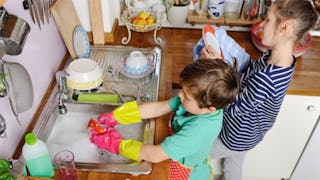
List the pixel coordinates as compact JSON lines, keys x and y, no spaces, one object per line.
{"x":212,"y":109}
{"x":286,"y":26}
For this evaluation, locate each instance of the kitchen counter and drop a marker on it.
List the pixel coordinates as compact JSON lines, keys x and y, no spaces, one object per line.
{"x":177,"y":52}
{"x":176,"y":48}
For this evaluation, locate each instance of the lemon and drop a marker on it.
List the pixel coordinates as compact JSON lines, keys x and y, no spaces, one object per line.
{"x":144,"y":14}
{"x":150,"y":20}
{"x":141,"y":22}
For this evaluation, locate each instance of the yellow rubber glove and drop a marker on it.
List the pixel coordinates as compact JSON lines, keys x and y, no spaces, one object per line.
{"x":127,"y":113}
{"x":130,"y":149}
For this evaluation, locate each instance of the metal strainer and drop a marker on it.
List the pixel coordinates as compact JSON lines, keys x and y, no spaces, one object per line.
{"x":3,"y":127}
{"x":19,"y":87}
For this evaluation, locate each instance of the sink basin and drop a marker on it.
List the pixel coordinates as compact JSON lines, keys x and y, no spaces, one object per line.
{"x":69,"y":131}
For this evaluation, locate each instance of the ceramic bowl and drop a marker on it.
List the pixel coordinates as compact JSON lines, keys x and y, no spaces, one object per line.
{"x":84,"y":74}
{"x":216,"y":10}
{"x":256,"y":36}
{"x":136,"y":62}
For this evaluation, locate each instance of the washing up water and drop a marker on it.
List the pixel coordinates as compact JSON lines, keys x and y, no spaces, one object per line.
{"x":70,"y":133}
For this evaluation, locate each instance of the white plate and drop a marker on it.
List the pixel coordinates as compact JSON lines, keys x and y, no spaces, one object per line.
{"x":81,"y":43}
{"x":210,"y":39}
{"x":123,"y":70}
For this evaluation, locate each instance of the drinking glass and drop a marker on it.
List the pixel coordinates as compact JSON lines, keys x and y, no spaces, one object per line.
{"x":65,"y":161}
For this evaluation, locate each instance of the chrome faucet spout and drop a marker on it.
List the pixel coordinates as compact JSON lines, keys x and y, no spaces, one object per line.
{"x":61,"y":77}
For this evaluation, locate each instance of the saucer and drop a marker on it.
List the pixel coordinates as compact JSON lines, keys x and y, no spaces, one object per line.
{"x":81,"y":43}
{"x":123,"y":69}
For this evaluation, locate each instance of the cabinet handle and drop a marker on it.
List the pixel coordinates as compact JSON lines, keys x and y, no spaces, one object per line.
{"x":311,"y":108}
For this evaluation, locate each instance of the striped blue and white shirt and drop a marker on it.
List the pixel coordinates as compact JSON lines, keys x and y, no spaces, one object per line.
{"x":262,"y":90}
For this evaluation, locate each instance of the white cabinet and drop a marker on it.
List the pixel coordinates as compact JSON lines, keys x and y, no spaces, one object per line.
{"x":308,"y":166}
{"x":276,"y":156}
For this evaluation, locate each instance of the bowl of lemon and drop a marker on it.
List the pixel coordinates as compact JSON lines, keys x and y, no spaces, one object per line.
{"x":141,"y":21}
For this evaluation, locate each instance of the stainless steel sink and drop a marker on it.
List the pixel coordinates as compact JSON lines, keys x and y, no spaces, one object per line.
{"x":69,"y":131}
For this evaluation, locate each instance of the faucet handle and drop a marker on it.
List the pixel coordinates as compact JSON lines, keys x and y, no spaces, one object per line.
{"x":60,"y":74}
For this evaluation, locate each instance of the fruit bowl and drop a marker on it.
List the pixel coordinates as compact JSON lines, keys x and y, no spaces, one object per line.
{"x":129,"y":17}
{"x":256,"y":37}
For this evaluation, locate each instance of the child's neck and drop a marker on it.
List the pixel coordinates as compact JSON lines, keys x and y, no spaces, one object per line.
{"x":281,"y":55}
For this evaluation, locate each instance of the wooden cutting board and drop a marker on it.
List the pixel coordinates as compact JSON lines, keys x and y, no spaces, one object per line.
{"x":66,"y":18}
{"x":96,"y":21}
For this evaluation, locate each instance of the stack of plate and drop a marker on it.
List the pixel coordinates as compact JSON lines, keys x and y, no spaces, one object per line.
{"x":136,"y":65}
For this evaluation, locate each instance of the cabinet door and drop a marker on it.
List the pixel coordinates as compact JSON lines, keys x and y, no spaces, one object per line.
{"x":275,"y":157}
{"x":309,"y":163}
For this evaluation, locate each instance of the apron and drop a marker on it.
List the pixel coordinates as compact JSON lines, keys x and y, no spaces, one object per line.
{"x":177,"y":171}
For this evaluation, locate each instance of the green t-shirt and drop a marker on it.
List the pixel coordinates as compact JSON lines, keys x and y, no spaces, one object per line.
{"x":192,"y":141}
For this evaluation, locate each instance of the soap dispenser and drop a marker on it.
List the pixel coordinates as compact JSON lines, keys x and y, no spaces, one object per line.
{"x":35,"y":153}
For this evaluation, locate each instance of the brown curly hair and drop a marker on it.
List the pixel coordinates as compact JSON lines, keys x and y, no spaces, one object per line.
{"x":211,"y":82}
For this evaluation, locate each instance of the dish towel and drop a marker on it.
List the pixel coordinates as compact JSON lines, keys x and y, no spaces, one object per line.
{"x":229,"y":47}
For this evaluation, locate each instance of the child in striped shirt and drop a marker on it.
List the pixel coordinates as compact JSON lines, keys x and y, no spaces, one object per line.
{"x":264,"y":82}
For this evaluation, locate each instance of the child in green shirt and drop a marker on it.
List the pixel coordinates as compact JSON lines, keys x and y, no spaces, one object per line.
{"x":207,"y":87}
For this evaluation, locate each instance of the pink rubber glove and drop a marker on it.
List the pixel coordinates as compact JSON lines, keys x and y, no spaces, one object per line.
{"x":108,"y":119}
{"x":127,"y":113}
{"x":109,"y":141}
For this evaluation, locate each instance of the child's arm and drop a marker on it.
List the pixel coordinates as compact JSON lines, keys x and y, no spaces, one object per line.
{"x":131,"y":112}
{"x":112,"y":141}
{"x":229,"y":47}
{"x":255,"y":92}
{"x":152,"y":153}
{"x":183,"y":143}
{"x":154,"y":109}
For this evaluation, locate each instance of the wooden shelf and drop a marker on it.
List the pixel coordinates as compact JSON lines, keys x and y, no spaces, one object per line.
{"x":195,"y":18}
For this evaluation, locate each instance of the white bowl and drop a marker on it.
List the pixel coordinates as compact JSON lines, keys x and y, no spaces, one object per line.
{"x":136,"y":62}
{"x":84,"y":74}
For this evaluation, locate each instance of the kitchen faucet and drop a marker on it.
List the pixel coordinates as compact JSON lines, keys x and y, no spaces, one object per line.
{"x":62,"y":95}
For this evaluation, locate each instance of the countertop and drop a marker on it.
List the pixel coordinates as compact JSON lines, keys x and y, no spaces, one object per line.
{"x":176,"y":48}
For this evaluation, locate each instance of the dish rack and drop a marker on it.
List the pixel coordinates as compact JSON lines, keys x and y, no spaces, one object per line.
{"x":127,"y":16}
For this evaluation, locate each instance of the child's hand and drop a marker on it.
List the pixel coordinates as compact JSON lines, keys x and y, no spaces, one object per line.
{"x":127,"y":113}
{"x":108,"y":119}
{"x":210,"y":53}
{"x":112,"y":141}
{"x":109,"y":141}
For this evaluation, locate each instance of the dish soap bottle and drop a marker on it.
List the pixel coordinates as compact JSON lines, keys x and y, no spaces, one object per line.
{"x":35,"y":153}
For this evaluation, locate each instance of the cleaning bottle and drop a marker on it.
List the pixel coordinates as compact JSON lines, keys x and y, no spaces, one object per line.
{"x":35,"y":153}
